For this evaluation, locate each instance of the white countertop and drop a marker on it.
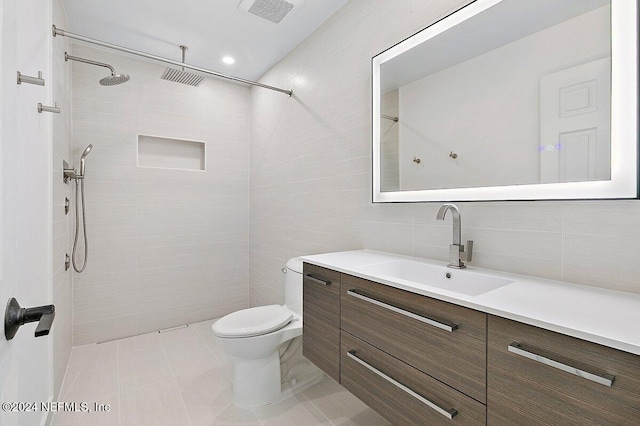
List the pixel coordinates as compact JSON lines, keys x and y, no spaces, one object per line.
{"x":607,"y":317}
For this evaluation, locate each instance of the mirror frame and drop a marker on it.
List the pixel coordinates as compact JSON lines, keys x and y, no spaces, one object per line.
{"x":624,"y":121}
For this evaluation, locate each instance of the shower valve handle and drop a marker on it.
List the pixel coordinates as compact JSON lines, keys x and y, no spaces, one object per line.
{"x":16,"y":316}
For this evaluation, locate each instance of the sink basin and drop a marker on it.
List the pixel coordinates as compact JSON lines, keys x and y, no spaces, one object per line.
{"x":459,"y":281}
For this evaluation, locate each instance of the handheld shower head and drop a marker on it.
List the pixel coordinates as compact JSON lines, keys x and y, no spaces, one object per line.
{"x":87,"y":150}
{"x":84,"y":155}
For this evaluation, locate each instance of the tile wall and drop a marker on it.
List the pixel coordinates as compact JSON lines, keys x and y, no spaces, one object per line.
{"x":310,"y":185}
{"x":61,"y":229}
{"x":166,"y":247}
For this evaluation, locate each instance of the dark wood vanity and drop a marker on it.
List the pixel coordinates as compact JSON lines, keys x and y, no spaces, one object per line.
{"x":421,"y":361}
{"x":321,"y":326}
{"x":521,"y":391}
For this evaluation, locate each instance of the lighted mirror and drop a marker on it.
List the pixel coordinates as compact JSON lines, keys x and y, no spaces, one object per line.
{"x":510,"y":100}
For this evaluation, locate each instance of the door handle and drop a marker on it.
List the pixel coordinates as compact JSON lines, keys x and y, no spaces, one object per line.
{"x":16,"y":316}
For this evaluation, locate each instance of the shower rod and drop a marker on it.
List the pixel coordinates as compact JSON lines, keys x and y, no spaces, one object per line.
{"x":60,"y":32}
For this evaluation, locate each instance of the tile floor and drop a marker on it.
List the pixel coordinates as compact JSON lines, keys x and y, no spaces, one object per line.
{"x":181,"y":377}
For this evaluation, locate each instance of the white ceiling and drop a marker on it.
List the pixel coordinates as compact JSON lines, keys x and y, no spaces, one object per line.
{"x":211,"y":29}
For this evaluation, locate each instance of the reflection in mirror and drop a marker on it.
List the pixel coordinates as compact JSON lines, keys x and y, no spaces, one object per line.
{"x":514,"y":94}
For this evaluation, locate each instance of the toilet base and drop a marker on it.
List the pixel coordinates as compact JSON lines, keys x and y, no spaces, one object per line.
{"x":256,"y":382}
{"x":259,"y":382}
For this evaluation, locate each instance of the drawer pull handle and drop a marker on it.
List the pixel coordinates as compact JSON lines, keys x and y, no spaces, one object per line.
{"x":450,"y":413}
{"x":441,"y":325}
{"x":605,"y":379}
{"x":317,"y":280}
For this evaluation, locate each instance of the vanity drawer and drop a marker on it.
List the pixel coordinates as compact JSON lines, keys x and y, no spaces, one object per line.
{"x":321,"y":318}
{"x":528,"y":391}
{"x":399,"y":392}
{"x":443,"y":340}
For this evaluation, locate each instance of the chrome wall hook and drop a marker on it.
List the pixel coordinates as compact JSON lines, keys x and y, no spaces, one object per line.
{"x":416,"y":160}
{"x":39,"y":81}
{"x":53,"y":109}
{"x":453,"y":155}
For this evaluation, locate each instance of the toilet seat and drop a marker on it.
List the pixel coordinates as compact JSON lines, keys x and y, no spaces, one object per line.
{"x":253,"y":321}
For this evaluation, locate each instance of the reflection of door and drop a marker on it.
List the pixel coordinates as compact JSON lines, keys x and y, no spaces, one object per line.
{"x":575,"y":124}
{"x":25,"y":173}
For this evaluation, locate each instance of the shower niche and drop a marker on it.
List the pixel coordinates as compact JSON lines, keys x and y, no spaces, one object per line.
{"x":169,"y":153}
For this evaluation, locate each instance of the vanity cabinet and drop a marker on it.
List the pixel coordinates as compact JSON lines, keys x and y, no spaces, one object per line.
{"x":414,"y":359}
{"x":528,"y":384}
{"x":446,"y":341}
{"x":420,"y":361}
{"x":321,"y":318}
{"x":400,"y":392}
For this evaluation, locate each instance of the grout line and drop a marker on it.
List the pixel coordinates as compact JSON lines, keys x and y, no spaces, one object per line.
{"x":222,"y":361}
{"x":315,"y":406}
{"x":180,"y":397}
{"x":118,"y":380}
{"x":175,"y":380}
{"x":64,"y":378}
{"x":74,"y":382}
{"x":255,"y":414}
{"x":60,"y":396}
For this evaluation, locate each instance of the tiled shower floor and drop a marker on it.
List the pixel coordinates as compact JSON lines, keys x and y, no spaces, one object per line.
{"x":181,"y":377}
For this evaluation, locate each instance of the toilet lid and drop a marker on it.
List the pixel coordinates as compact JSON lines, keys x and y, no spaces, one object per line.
{"x":253,"y":321}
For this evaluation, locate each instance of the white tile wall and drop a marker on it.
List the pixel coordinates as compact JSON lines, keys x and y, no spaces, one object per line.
{"x":62,"y":138}
{"x":310,"y":187}
{"x":166,"y":247}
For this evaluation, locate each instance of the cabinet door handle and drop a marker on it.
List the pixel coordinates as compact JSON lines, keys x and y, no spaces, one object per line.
{"x":317,"y":280}
{"x":448,"y":413}
{"x":604,"y":379}
{"x":441,"y":325}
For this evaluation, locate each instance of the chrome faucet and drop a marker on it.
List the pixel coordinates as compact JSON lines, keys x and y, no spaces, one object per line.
{"x":458,"y":255}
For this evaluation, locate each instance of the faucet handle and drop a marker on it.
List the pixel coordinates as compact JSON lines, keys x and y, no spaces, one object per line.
{"x":467,"y":251}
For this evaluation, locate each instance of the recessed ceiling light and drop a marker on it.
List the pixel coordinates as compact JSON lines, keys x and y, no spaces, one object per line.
{"x":228,"y":60}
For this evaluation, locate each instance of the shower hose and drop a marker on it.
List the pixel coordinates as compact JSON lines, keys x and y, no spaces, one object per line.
{"x":80,"y":183}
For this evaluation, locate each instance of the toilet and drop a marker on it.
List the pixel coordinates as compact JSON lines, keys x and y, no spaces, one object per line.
{"x":265,"y":344}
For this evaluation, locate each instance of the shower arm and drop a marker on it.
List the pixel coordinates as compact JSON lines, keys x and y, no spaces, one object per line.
{"x":88,"y":61}
{"x":60,"y":32}
{"x":184,"y":50}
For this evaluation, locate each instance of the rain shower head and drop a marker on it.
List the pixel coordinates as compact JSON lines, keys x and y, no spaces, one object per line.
{"x":86,"y":152}
{"x":111,"y":80}
{"x":114,"y":79}
{"x":183,"y":77}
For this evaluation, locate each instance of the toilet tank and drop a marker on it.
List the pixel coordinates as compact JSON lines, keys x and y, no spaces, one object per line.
{"x":293,"y":285}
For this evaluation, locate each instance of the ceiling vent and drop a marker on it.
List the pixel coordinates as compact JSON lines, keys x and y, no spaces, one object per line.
{"x":276,"y":11}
